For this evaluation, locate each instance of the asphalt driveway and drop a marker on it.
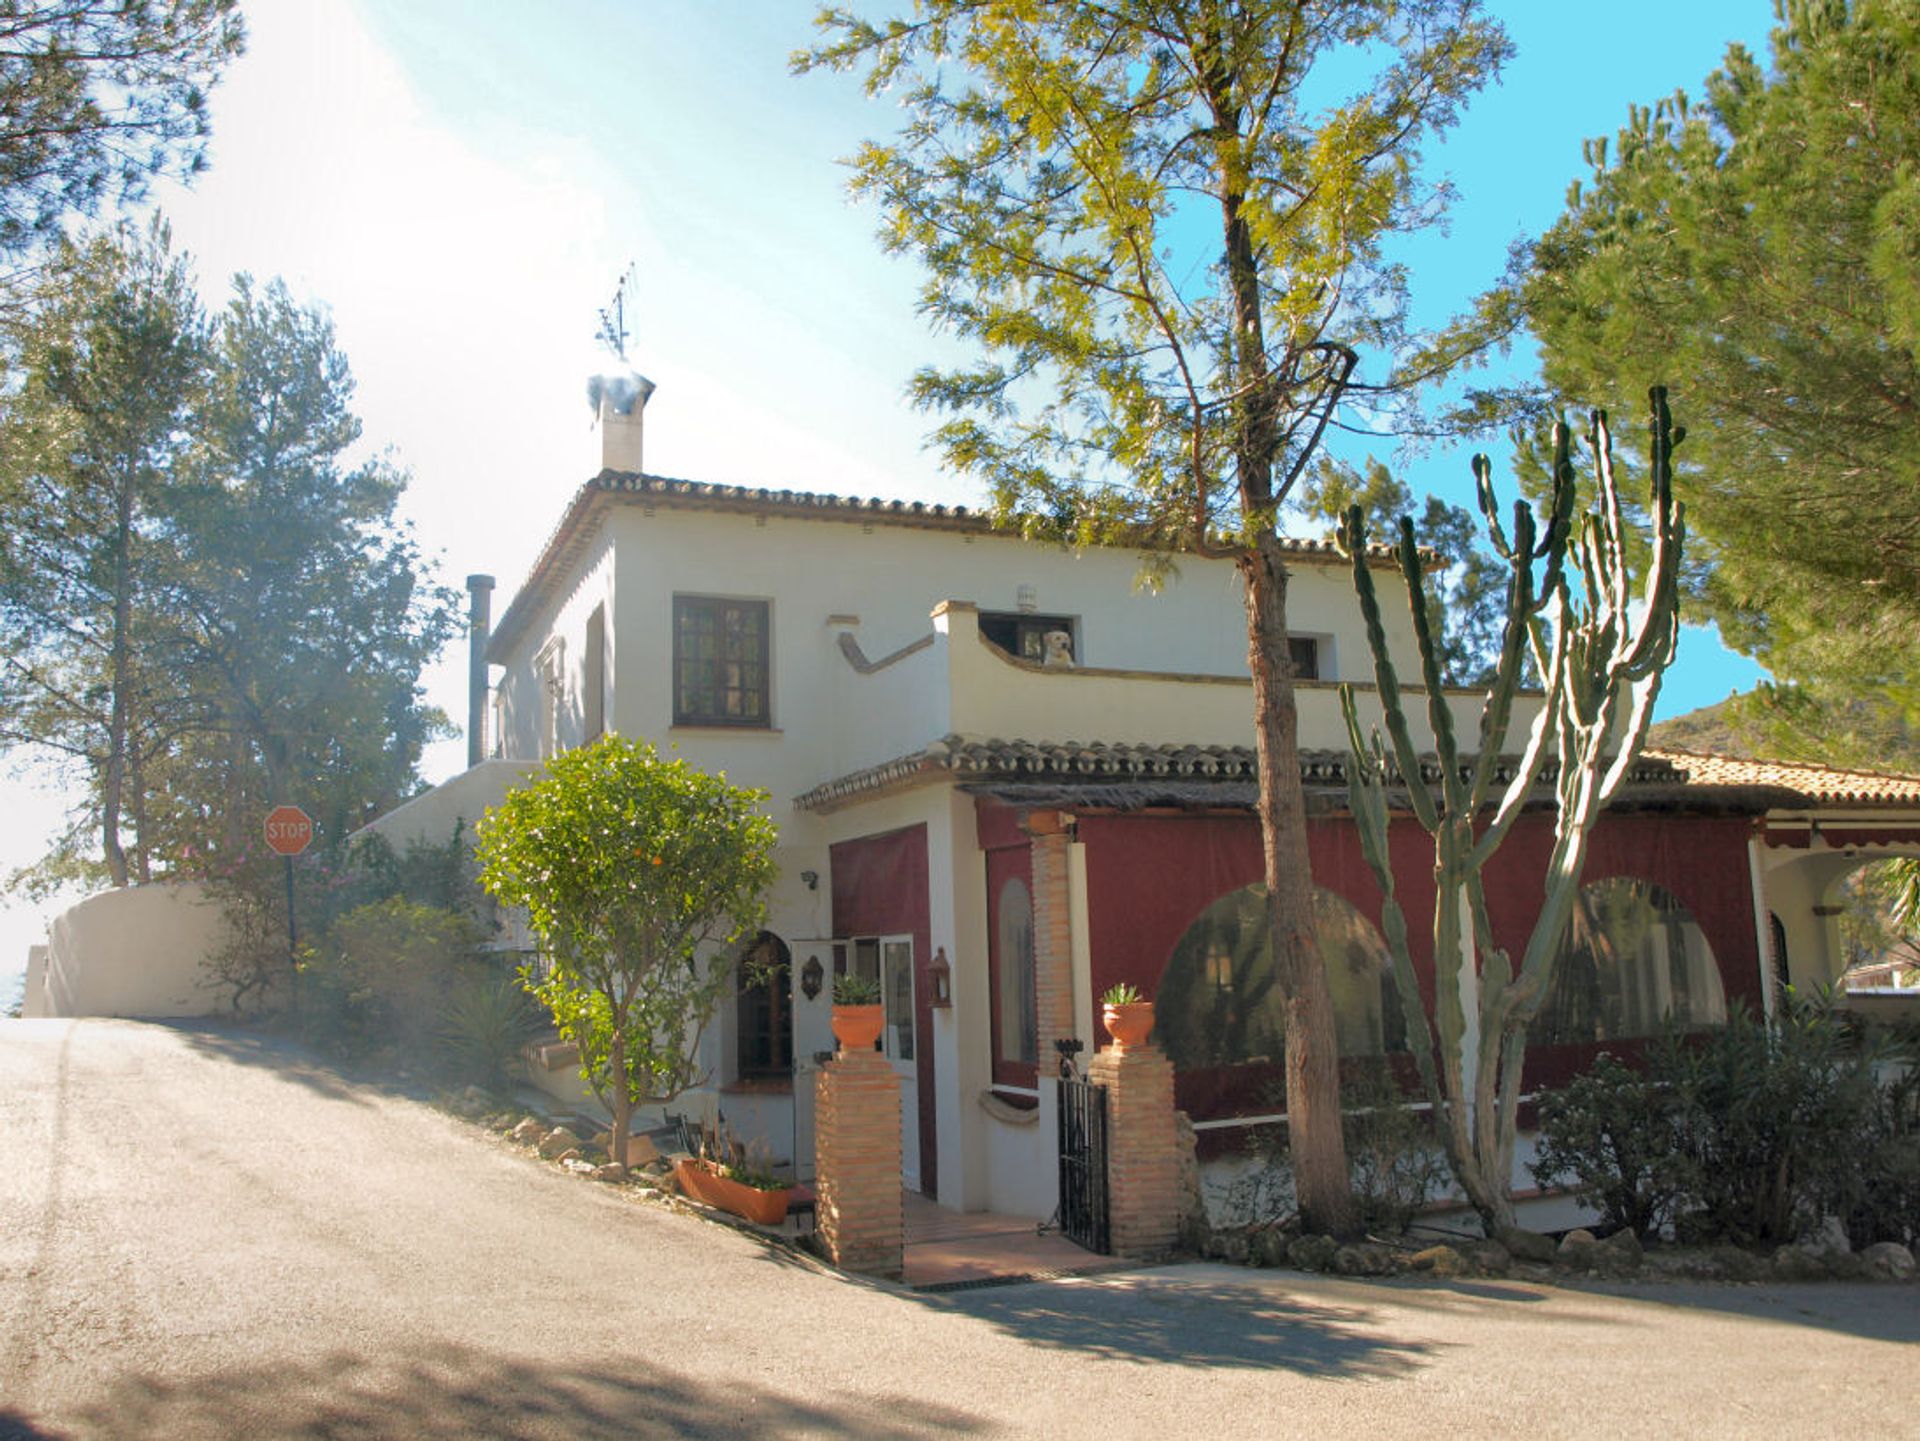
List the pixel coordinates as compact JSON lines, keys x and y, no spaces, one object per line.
{"x":204,"y":1234}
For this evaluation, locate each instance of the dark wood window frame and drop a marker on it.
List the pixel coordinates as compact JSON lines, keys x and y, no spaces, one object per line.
{"x":764,"y":1009}
{"x":1022,"y":634}
{"x":732,"y":685}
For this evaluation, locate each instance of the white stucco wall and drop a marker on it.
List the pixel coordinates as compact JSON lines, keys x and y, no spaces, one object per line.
{"x":136,"y":951}
{"x":828,"y":719}
{"x":429,"y":818}
{"x":521,"y":709}
{"x":1150,"y":667}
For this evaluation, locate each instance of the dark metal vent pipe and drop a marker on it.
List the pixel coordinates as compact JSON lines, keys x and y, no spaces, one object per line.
{"x":479,"y":623}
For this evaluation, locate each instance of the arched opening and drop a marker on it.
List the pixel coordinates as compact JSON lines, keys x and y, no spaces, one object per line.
{"x":1633,"y":960}
{"x":763,"y":1008}
{"x":1879,"y":925}
{"x":1218,"y":1001}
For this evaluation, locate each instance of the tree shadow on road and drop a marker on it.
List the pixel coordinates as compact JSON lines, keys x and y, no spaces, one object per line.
{"x":293,"y":1061}
{"x":1179,"y":1316}
{"x":447,"y":1392}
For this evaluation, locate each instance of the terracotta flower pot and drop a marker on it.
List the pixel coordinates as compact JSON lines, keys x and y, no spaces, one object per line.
{"x":703,"y":1181}
{"x":856,"y":1028}
{"x":1131,"y":1024}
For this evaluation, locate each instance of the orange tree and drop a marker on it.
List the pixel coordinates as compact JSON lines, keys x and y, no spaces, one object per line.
{"x":639,"y":875}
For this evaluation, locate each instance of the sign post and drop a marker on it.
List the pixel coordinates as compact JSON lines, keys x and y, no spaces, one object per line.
{"x":289,"y":832}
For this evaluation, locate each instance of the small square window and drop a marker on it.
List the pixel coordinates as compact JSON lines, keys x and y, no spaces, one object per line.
{"x":1305,"y":651}
{"x":1025,"y":636}
{"x":721,"y":662}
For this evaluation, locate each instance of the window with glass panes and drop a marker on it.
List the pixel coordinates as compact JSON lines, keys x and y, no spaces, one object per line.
{"x":720,"y":662}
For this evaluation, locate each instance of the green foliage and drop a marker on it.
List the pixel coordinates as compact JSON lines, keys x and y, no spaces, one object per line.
{"x":1757,"y":247}
{"x":105,"y":387}
{"x":1397,"y":1160}
{"x":1124,"y":994}
{"x":853,"y":989}
{"x":1466,"y":593}
{"x":1748,"y":1135}
{"x":632,"y":869}
{"x":1614,"y":1133}
{"x":1880,"y":1198}
{"x":204,"y":609}
{"x":1772,"y":1122}
{"x":330,"y":881}
{"x":1166,"y":247}
{"x":1162,"y":230}
{"x":488,"y":1020}
{"x":98,"y":96}
{"x":381,"y":975}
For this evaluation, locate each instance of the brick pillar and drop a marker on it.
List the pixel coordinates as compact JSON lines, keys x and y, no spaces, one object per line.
{"x":1052,"y":931}
{"x":857,"y":1162}
{"x":1143,"y":1158}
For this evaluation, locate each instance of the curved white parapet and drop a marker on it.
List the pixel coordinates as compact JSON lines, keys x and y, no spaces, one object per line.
{"x":136,"y":951}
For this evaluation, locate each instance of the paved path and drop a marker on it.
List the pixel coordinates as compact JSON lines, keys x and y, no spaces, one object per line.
{"x":201,"y":1236}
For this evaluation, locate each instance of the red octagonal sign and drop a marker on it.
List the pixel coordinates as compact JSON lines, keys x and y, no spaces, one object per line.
{"x":289,"y":830}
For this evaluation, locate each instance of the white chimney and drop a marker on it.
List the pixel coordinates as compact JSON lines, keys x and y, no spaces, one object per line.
{"x":619,"y":404}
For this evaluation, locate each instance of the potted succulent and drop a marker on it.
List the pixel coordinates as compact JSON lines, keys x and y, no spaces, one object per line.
{"x":1128,"y":1014}
{"x":745,"y":1187}
{"x":857,"y":1014}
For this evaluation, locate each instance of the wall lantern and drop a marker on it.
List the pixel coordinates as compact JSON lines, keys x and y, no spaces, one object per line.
{"x":941,"y":972}
{"x":812,"y":974}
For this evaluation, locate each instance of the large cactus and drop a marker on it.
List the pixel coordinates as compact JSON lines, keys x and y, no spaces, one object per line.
{"x":1571,"y":608}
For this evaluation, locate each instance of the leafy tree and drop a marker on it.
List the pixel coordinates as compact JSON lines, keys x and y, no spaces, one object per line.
{"x":1763,"y":249}
{"x":638,"y":875}
{"x":307,"y":621}
{"x":106,"y":379}
{"x":206,"y":607}
{"x":1466,"y":594}
{"x":1163,"y":226}
{"x":96,"y":97}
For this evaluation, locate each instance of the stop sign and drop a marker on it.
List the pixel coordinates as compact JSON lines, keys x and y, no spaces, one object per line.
{"x":289,"y":830}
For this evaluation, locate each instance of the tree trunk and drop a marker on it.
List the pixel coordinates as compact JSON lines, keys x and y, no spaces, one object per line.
{"x":1317,"y":1147}
{"x":120,"y":678}
{"x":619,"y":1099}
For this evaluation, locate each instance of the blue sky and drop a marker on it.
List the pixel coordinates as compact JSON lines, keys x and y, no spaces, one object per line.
{"x":462,"y":183}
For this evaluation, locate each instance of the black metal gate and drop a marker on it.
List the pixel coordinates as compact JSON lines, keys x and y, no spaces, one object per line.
{"x":1083,"y":1164}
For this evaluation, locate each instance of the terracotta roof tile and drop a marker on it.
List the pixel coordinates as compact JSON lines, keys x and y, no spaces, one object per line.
{"x":612,"y":487}
{"x":1659,"y":776}
{"x":1810,"y":784}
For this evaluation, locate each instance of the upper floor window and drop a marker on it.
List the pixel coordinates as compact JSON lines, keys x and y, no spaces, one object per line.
{"x":1305,"y":652}
{"x":720,"y":662}
{"x":1024,"y":635}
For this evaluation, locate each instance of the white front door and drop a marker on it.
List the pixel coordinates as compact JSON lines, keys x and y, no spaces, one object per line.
{"x":889,"y":960}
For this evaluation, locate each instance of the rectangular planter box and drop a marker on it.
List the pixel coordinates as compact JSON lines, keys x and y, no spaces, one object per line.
{"x":699,"y":1180}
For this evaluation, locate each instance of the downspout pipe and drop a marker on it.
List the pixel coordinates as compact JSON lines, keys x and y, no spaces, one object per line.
{"x":479,"y":624}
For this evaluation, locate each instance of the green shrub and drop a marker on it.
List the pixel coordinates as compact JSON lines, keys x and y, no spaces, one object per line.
{"x":382,"y":975}
{"x":1774,"y":1119}
{"x":1884,"y":1202}
{"x":1748,"y":1135}
{"x":1395,"y":1160}
{"x":489,"y":1019}
{"x":1616,"y":1136}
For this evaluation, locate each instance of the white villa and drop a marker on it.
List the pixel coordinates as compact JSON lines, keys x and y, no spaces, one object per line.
{"x":999,"y":826}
